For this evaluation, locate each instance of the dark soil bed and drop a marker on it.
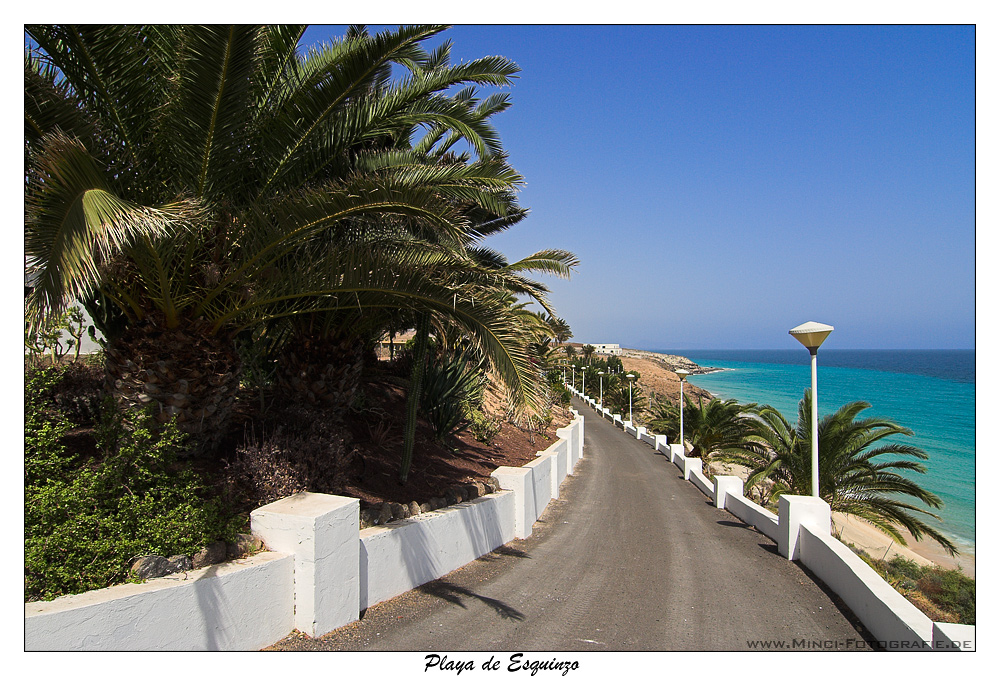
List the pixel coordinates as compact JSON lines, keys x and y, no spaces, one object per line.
{"x":374,"y":439}
{"x":363,"y":463}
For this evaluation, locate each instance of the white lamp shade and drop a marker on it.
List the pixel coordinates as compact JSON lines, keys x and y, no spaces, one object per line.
{"x":682,"y":374}
{"x":811,"y":334}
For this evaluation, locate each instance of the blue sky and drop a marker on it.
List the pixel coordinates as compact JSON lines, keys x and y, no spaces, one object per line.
{"x":722,"y":184}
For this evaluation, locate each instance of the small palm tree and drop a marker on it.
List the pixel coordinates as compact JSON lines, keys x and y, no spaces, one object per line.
{"x":714,"y":431}
{"x":588,"y":352}
{"x":858,"y":474}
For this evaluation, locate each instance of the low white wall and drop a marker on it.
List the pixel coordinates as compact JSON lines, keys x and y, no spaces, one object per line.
{"x":948,"y":636}
{"x":542,"y":469}
{"x":884,"y":611}
{"x":238,"y":605}
{"x":320,"y":531}
{"x":702,"y":482}
{"x":401,"y":555}
{"x":753,"y":514}
{"x":560,"y":451}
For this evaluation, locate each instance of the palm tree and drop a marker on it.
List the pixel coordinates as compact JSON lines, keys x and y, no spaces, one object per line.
{"x":858,"y":474}
{"x":714,"y":431}
{"x":588,"y":351}
{"x":178,"y":176}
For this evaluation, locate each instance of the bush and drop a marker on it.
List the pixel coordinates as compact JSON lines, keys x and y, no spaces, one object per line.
{"x":560,"y":393}
{"x":950,"y":592}
{"x":483,"y":427}
{"x":86,"y":522}
{"x":288,"y":462}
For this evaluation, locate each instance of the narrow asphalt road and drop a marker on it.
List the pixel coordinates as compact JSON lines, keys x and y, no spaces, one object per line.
{"x":631,"y":557}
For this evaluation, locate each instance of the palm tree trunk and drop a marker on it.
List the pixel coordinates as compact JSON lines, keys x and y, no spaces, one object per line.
{"x":322,"y":372}
{"x":185,"y":373}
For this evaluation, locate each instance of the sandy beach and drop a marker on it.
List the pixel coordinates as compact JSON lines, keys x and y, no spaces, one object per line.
{"x":656,"y":375}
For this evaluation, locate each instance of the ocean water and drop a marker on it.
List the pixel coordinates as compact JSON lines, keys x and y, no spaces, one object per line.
{"x":932,"y":392}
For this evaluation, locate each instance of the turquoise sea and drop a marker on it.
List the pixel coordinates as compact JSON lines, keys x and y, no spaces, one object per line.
{"x":932,"y":392}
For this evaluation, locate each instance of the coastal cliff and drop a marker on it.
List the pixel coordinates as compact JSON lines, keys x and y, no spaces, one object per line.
{"x":657,"y":377}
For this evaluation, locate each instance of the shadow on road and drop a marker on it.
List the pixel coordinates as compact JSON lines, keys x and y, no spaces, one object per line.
{"x":733,"y":524}
{"x":504,"y":550}
{"x":453,"y":593}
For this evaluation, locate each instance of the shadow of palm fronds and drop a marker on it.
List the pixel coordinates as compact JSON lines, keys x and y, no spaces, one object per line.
{"x":453,"y":593}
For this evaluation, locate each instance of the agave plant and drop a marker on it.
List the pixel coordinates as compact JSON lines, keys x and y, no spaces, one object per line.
{"x":859,"y":472}
{"x":176,"y":175}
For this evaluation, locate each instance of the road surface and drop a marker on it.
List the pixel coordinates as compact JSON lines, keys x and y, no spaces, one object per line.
{"x":631,"y":557}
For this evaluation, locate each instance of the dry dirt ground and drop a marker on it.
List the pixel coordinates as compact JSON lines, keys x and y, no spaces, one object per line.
{"x":658,"y":378}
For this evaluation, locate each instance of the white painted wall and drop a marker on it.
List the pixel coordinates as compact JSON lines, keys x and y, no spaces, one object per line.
{"x":542,"y":469}
{"x":405,"y":554}
{"x":753,"y":514}
{"x":321,"y":532}
{"x":948,"y":636}
{"x":238,"y":605}
{"x":883,"y":610}
{"x":702,"y":482}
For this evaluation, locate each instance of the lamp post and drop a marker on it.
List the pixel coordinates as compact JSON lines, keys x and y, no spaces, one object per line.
{"x":601,"y":374}
{"x":682,"y":374}
{"x":630,"y":377}
{"x":812,"y":335}
{"x":583,"y":386}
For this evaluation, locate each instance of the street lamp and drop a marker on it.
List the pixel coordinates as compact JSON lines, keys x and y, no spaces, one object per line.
{"x":574,"y":375}
{"x":631,"y":377}
{"x":601,"y":374}
{"x":682,"y":374}
{"x":812,"y":335}
{"x":583,"y":372}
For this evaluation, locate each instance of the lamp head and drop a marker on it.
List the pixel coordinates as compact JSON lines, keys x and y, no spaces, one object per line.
{"x":630,"y":376}
{"x":811,"y":334}
{"x":682,"y":373}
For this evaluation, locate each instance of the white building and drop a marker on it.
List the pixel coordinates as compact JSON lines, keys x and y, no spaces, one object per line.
{"x":607,"y":348}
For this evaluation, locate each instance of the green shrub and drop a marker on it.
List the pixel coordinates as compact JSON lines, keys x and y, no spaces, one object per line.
{"x":483,"y":427}
{"x":86,"y":521}
{"x":951,"y":590}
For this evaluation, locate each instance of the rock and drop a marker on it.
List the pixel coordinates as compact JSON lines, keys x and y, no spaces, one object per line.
{"x":400,"y":511}
{"x":147,"y":567}
{"x":369,"y":517}
{"x":210,"y":555}
{"x":476,"y":489}
{"x":493,"y":483}
{"x":414,"y":508}
{"x":426,"y":507}
{"x":385,"y":513}
{"x":438,"y":503}
{"x":179,"y":563}
{"x":454,"y":495}
{"x":244,"y":545}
